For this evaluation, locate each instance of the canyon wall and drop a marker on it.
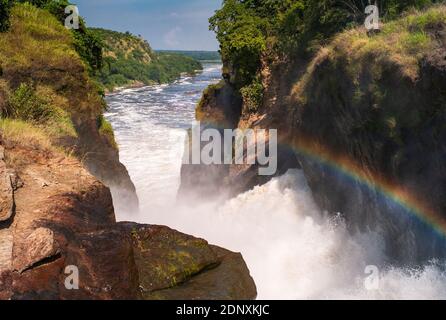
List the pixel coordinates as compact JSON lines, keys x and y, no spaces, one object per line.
{"x":54,"y":215}
{"x":365,"y":118}
{"x":58,"y":158}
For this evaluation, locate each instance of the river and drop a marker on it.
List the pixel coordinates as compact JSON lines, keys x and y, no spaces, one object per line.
{"x":293,"y":250}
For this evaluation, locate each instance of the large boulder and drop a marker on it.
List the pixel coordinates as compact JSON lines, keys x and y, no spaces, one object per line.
{"x":64,"y":226}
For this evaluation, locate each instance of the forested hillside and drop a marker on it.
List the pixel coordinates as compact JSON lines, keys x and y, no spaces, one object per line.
{"x":129,"y":60}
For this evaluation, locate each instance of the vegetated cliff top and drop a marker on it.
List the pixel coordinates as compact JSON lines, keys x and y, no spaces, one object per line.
{"x":49,"y":98}
{"x":403,"y":42}
{"x":130,"y":61}
{"x":56,"y":214}
{"x":44,"y":81}
{"x":125,"y":45}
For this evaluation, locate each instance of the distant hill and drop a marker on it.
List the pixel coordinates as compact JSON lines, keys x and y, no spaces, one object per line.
{"x":130,"y":61}
{"x":198,"y":55}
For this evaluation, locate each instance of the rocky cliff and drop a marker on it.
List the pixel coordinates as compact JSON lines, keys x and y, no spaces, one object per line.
{"x":54,"y":215}
{"x":58,"y":158}
{"x":364,"y":119}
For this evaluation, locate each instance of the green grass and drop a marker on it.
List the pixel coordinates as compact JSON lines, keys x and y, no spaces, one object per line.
{"x":404,"y":42}
{"x":106,"y":130}
{"x":25,"y":134}
{"x":45,"y":83}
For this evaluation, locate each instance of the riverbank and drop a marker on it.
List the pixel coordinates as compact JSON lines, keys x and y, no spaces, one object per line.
{"x":130,"y":62}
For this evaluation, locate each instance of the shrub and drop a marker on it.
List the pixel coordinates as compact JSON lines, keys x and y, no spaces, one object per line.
{"x":252,"y":96}
{"x":5,"y":9}
{"x":40,"y":107}
{"x":251,"y":29}
{"x":25,"y":105}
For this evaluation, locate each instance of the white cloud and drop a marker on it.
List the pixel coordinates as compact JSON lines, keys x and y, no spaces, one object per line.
{"x":171,"y":37}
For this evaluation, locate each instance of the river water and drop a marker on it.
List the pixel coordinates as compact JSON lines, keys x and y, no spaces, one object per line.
{"x":292,"y":250}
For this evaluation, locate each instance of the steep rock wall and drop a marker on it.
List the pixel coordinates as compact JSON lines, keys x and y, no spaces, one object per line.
{"x":62,"y":216}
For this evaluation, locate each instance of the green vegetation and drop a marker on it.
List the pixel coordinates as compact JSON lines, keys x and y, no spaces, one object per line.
{"x":26,"y":105}
{"x":379,"y":68}
{"x":129,"y":60}
{"x":252,"y":30}
{"x":86,"y":44}
{"x":106,"y":130}
{"x":252,"y":95}
{"x":403,"y":41}
{"x":44,"y":81}
{"x":5,"y":8}
{"x":197,"y":55}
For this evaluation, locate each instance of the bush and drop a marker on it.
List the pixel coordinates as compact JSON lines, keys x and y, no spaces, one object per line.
{"x":25,"y":105}
{"x":252,"y":96}
{"x":41,"y":107}
{"x":5,"y":9}
{"x":250,"y":29}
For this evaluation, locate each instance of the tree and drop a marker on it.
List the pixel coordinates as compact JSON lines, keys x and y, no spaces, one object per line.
{"x":5,"y":9}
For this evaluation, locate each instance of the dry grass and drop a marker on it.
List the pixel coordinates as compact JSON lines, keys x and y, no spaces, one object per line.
{"x":23,"y":134}
{"x":38,"y":49}
{"x":402,"y":43}
{"x":38,"y":53}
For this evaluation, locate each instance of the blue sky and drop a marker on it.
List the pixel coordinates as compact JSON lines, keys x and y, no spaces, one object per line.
{"x":166,"y":24}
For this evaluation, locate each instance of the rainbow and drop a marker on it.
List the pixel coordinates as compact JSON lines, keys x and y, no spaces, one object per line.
{"x":418,"y":208}
{"x":397,"y":194}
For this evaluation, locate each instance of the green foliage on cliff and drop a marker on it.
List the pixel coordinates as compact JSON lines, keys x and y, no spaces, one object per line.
{"x":129,"y":59}
{"x":86,"y":43}
{"x":26,"y":105}
{"x":251,"y":29}
{"x":252,"y":95}
{"x":43,"y":79}
{"x":383,"y":73}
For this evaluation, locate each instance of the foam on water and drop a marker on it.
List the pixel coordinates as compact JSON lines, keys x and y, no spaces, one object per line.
{"x":291,"y":248}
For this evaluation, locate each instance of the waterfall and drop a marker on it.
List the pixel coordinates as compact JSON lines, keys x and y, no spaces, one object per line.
{"x":293,"y":250}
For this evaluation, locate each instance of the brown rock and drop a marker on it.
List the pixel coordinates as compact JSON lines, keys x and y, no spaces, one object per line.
{"x":38,"y":246}
{"x":6,"y":191}
{"x":5,"y":250}
{"x":72,"y":223}
{"x":229,"y":280}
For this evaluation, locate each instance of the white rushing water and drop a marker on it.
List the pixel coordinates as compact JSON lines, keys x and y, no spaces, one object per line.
{"x":292,"y":250}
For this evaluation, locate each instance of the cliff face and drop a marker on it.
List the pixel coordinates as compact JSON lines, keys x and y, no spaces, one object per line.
{"x":365,"y":118}
{"x":379,"y":114}
{"x":45,"y":83}
{"x":54,"y":214}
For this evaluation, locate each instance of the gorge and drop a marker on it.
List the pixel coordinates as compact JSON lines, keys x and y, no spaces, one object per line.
{"x":355,"y":209}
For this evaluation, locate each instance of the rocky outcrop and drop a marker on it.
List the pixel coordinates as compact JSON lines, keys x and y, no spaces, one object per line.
{"x":101,"y":158}
{"x":365,"y":119}
{"x":6,"y":190}
{"x":66,"y":87}
{"x":386,"y":127}
{"x":63,"y":222}
{"x":221,"y":107}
